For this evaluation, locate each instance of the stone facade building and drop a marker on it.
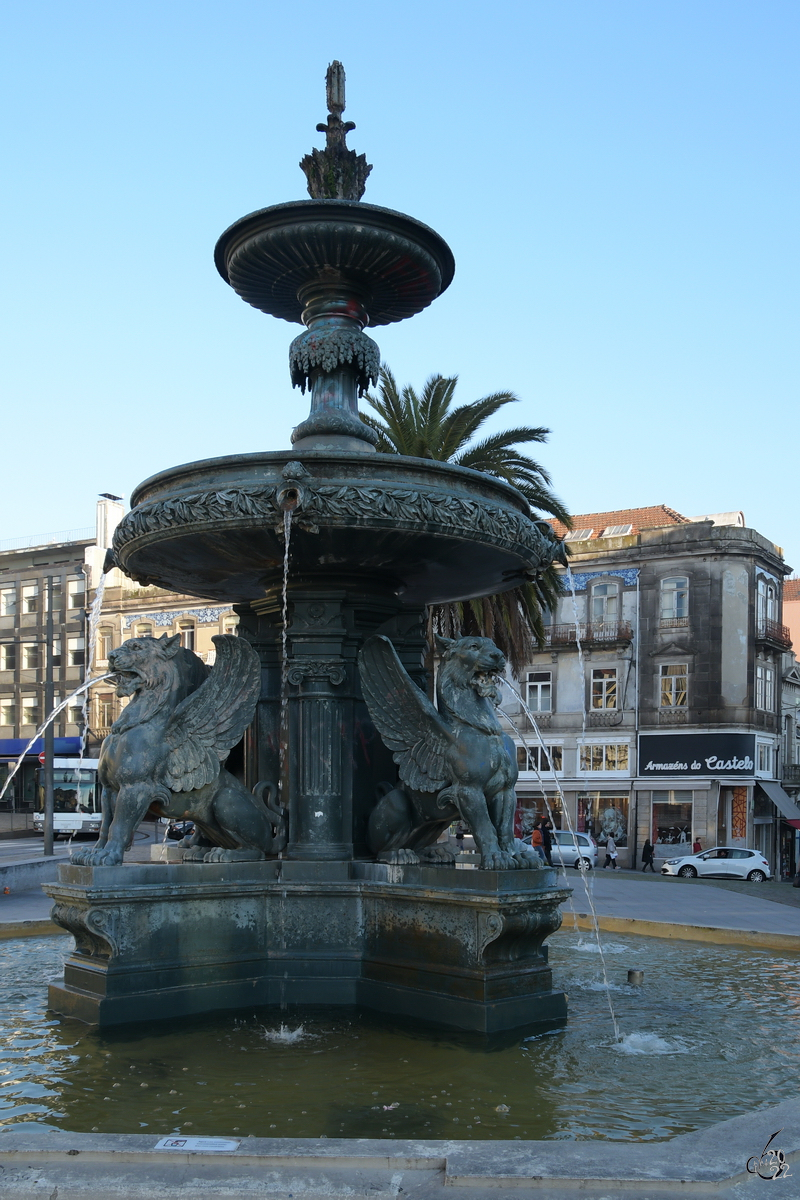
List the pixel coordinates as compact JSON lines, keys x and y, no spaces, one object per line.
{"x":659,"y":694}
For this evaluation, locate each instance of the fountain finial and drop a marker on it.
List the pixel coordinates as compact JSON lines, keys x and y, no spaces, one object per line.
{"x":335,"y":173}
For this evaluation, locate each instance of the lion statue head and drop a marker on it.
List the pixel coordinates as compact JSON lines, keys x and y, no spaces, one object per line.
{"x":159,"y":665}
{"x":471,"y":662}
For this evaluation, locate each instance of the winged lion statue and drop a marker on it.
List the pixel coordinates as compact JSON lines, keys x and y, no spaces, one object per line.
{"x":167,"y":749}
{"x":453,"y":759}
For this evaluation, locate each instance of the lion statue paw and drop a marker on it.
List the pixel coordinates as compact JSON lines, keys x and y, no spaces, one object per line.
{"x":399,"y":857}
{"x":525,"y":858}
{"x":438,"y":856}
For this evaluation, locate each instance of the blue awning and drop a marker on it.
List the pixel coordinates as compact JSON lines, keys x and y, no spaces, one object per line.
{"x":11,"y":748}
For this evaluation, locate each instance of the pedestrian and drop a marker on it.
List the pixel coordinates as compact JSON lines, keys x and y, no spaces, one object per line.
{"x":648,"y":854}
{"x":696,"y":847}
{"x":459,"y":837}
{"x":537,"y":840}
{"x":547,"y":842}
{"x":611,"y":854}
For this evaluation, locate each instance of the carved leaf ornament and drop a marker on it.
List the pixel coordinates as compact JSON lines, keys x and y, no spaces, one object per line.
{"x":438,"y":512}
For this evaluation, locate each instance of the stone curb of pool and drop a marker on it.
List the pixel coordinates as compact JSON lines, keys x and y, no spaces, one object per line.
{"x":682,"y":931}
{"x":693,"y":1164}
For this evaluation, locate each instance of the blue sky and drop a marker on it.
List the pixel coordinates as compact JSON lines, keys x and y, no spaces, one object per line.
{"x":618,"y":182}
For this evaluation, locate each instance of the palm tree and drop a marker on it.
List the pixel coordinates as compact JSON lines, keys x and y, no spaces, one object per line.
{"x":427,"y":426}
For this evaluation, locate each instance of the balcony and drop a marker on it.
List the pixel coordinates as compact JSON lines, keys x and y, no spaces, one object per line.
{"x":604,"y":718}
{"x":673,"y":623}
{"x":597,"y":633}
{"x":790,"y":772}
{"x":673,"y":716}
{"x":772,"y":633}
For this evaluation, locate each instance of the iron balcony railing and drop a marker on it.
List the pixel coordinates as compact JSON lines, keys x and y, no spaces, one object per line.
{"x":773,"y":631}
{"x":592,"y":633}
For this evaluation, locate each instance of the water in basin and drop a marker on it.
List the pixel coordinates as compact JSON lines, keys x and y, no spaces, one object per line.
{"x":713,"y":1032}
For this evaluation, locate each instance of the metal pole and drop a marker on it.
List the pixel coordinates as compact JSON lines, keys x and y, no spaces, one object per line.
{"x":49,"y":704}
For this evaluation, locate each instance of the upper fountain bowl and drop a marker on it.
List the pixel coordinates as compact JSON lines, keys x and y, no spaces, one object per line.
{"x":396,"y":264}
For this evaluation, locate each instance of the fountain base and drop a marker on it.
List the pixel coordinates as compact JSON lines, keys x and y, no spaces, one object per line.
{"x":461,"y":948}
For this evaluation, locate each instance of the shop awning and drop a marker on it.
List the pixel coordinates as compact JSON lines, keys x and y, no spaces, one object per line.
{"x":783,"y":802}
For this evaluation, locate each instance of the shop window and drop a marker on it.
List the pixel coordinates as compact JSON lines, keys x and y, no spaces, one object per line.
{"x":76,"y":651}
{"x":765,"y":687}
{"x":604,"y":687}
{"x":739,"y":813}
{"x":672,"y":821}
{"x":536,"y":758}
{"x":31,"y":713}
{"x":539,"y":691}
{"x":603,"y":816}
{"x":604,"y":605}
{"x":186,"y":631}
{"x":8,"y":711}
{"x":8,"y":602}
{"x":30,"y":597}
{"x":674,"y":680}
{"x":8,"y":656}
{"x":76,"y":592}
{"x":675,"y":601}
{"x":609,"y":756}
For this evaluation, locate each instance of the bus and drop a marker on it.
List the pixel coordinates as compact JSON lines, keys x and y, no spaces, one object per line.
{"x":76,"y":797}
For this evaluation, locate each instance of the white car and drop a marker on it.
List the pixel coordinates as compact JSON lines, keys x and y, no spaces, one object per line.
{"x":565,"y":853}
{"x":723,"y":862}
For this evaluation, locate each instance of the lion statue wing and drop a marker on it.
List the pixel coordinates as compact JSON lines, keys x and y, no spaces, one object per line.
{"x":405,"y":718}
{"x":208,"y":723}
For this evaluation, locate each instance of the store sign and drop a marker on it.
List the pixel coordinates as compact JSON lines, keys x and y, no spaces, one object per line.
{"x":694,"y":754}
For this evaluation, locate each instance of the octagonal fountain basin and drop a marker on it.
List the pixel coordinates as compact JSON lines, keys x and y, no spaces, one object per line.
{"x":711,"y":1033}
{"x":428,"y":531}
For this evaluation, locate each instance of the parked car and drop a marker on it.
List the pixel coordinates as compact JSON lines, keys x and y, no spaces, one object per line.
{"x":723,"y":862}
{"x":566,"y":854}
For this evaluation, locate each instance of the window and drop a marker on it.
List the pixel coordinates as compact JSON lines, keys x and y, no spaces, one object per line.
{"x":186,"y":632}
{"x":579,"y":535}
{"x":105,"y":709}
{"x":8,"y":711}
{"x":766,"y":603}
{"x":30,"y":597}
{"x":539,"y":691}
{"x":30,"y":656}
{"x":8,"y":656}
{"x":765,"y":755}
{"x":56,"y":652}
{"x":231,"y":628}
{"x":534,"y":758}
{"x":30,"y":711}
{"x":675,"y":601}
{"x":672,"y":822}
{"x":76,"y":591}
{"x":76,"y":652}
{"x":673,"y":685}
{"x":603,"y":816}
{"x":611,"y":756}
{"x":57,"y":592}
{"x":8,"y":602}
{"x":143,"y":631}
{"x":105,"y":644}
{"x":604,"y":687}
{"x":604,"y":604}
{"x":765,"y":688}
{"x":75,"y":714}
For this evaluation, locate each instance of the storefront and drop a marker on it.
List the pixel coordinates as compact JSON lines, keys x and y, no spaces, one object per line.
{"x":21,"y":794}
{"x":695,"y":787}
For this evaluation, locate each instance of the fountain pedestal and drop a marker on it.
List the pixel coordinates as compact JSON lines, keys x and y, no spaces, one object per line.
{"x":462,"y":948}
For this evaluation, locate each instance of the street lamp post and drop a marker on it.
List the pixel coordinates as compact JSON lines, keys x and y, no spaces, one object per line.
{"x":49,"y":704}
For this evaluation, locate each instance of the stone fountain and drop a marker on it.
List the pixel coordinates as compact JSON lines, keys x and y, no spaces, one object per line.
{"x":349,"y":545}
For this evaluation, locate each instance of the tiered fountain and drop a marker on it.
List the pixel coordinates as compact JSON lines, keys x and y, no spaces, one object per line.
{"x":372,"y":538}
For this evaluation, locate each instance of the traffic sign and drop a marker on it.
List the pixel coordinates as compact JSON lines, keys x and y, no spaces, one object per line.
{"x":41,"y":758}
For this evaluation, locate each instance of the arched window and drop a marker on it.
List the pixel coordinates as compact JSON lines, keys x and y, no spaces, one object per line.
{"x":675,"y":601}
{"x":766,"y":604}
{"x":143,"y":631}
{"x":186,"y":630}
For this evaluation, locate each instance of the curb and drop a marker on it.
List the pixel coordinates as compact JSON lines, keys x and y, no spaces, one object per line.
{"x":690,"y":933}
{"x":15,"y":929}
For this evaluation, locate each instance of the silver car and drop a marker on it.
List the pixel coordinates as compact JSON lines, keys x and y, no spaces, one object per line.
{"x":565,"y":853}
{"x":723,"y":862}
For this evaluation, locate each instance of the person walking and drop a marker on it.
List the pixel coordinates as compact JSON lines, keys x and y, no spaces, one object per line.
{"x":537,"y":840}
{"x":611,"y":854}
{"x":648,"y":854}
{"x":547,"y":841}
{"x":696,"y":847}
